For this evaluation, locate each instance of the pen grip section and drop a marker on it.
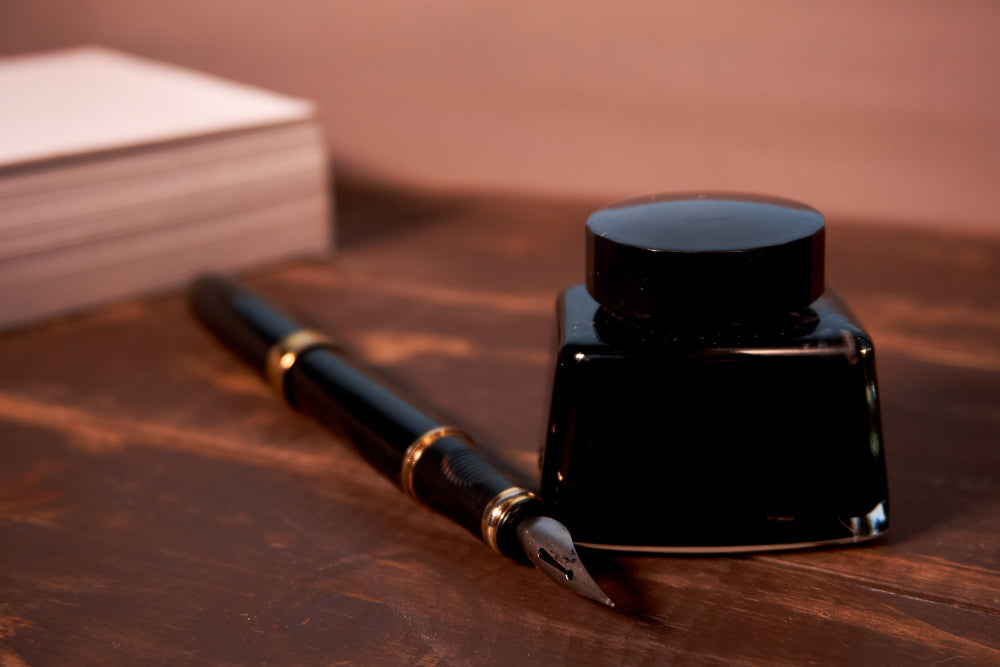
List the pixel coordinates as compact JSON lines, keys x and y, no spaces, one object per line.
{"x":453,"y":479}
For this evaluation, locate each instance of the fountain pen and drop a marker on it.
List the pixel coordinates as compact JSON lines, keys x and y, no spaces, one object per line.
{"x":434,"y":464}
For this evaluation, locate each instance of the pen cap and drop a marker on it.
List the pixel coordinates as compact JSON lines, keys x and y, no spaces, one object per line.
{"x":705,"y":256}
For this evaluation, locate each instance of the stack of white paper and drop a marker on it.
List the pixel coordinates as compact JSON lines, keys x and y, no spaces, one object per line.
{"x":119,"y":175}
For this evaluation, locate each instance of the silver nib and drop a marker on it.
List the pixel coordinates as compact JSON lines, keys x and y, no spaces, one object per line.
{"x":549,"y":546}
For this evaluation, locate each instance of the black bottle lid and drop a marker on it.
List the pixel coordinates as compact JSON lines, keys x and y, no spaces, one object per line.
{"x":714,"y":256}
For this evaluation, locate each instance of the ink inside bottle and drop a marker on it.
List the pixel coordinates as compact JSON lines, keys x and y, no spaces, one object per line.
{"x":709,"y":393}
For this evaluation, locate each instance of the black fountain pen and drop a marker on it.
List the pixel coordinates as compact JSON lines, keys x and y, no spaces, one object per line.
{"x":434,"y":464}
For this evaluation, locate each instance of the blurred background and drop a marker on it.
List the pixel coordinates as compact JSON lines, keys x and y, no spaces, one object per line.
{"x":876,"y":112}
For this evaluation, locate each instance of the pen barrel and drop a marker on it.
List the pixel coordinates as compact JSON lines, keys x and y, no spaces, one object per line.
{"x":448,"y":474}
{"x":379,"y":423}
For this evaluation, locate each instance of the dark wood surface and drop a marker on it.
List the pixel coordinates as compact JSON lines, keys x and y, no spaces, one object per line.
{"x":159,"y":506}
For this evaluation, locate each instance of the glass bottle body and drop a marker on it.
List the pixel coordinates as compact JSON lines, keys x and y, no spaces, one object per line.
{"x":725,"y":437}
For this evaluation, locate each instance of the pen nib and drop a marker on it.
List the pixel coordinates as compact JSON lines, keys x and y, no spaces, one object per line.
{"x":549,"y":546}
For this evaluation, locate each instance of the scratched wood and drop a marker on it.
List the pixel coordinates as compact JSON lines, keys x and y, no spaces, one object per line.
{"x":159,"y":506}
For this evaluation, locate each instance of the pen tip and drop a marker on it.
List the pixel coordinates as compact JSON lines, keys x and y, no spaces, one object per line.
{"x":549,"y":546}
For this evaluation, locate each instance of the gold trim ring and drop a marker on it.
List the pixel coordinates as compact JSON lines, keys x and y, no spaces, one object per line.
{"x":282,"y":355}
{"x":417,"y":449}
{"x":498,"y":510}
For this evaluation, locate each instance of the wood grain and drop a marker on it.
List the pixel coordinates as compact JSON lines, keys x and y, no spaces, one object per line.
{"x":159,"y":506}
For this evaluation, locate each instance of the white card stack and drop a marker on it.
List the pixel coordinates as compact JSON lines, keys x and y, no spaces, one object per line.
{"x":120,"y":176}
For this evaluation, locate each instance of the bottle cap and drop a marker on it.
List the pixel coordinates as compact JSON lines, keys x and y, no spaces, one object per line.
{"x":713,"y":256}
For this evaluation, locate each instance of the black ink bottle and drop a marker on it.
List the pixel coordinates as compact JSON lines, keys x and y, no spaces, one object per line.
{"x":709,"y":394}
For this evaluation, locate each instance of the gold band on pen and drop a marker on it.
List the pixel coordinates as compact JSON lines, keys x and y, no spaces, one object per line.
{"x":282,"y":355}
{"x":498,"y":511}
{"x":417,"y":449}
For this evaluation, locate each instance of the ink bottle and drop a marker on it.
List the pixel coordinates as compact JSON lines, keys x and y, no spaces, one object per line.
{"x":709,"y":393}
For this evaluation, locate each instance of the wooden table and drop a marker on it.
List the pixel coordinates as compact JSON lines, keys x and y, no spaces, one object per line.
{"x":159,"y":506}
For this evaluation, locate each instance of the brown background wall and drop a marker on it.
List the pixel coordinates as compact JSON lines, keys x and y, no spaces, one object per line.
{"x":888,"y":113}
